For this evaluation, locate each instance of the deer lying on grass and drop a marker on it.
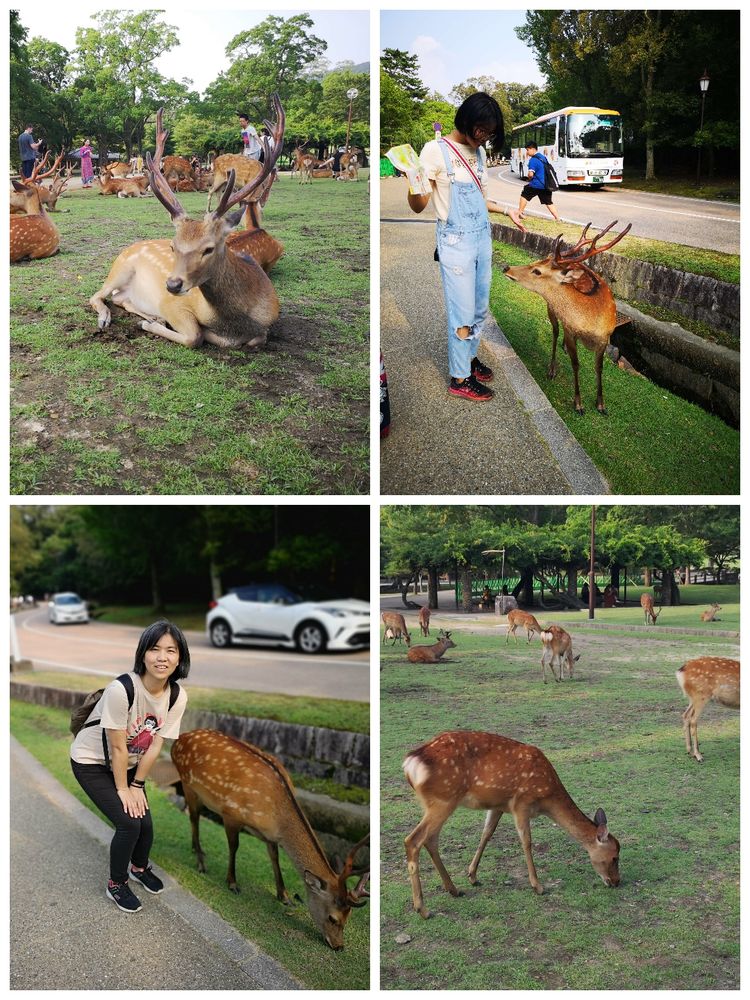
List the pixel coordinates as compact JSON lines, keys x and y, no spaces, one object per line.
{"x":178,"y":173}
{"x":349,"y":166}
{"x":647,"y":603}
{"x":709,"y":678}
{"x":710,"y":615}
{"x":524,"y":619}
{"x":47,"y":195}
{"x":578,"y":299}
{"x":558,"y":649}
{"x":424,"y":620}
{"x":395,"y":622}
{"x":256,"y":241}
{"x":252,"y":791}
{"x":483,"y":771}
{"x":312,"y":167}
{"x":431,"y":654}
{"x":194,"y":287}
{"x":123,"y":187}
{"x":32,"y":234}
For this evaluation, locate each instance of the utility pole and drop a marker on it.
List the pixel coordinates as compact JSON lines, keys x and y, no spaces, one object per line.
{"x":592,"y":584}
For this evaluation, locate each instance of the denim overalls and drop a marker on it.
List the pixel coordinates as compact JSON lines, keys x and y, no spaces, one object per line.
{"x":465,"y":251}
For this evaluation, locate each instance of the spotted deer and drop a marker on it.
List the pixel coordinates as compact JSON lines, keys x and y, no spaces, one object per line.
{"x":480,"y":770}
{"x":123,"y":187}
{"x":708,"y":678}
{"x":649,"y":615}
{"x":525,"y":620}
{"x":32,"y":233}
{"x":244,"y":169}
{"x":252,"y":791}
{"x":179,"y":173}
{"x":558,"y":649}
{"x":577,"y":299}
{"x":424,"y":620}
{"x":710,"y":615}
{"x":431,"y":654}
{"x":395,"y":624}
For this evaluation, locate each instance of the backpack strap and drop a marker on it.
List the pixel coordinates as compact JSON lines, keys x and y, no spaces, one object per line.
{"x":127,"y":682}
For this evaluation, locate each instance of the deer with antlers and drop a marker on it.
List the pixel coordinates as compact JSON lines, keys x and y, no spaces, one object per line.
{"x":32,"y":233}
{"x":433,"y":653}
{"x":48,"y":195}
{"x":483,"y":771}
{"x":710,"y":615}
{"x":577,"y":299}
{"x":252,"y":791}
{"x":194,"y":287}
{"x":708,"y":678}
{"x":647,"y":603}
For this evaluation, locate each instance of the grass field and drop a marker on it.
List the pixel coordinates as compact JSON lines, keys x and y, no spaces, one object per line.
{"x":614,"y":735}
{"x":289,"y":936}
{"x":123,"y":411}
{"x":651,"y":441}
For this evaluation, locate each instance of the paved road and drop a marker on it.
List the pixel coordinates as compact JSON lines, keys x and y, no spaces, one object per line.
{"x":66,"y":935}
{"x":693,"y":222}
{"x":108,"y":650}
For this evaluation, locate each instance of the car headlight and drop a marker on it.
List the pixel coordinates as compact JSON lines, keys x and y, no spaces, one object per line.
{"x":338,"y":613}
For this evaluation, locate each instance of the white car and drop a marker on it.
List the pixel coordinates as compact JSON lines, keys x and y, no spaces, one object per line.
{"x":271,"y":615}
{"x":67,"y":607}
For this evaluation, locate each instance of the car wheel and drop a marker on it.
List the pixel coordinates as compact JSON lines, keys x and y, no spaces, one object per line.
{"x":311,"y":638}
{"x":221,"y":634}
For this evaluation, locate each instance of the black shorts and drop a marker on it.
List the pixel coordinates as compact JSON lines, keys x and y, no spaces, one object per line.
{"x":544,"y":196}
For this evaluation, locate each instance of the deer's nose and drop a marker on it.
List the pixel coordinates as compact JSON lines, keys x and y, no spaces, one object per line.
{"x":507,"y":266}
{"x":174,"y":285}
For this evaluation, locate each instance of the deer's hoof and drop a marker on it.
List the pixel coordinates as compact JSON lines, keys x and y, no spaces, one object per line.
{"x":580,"y":411}
{"x":234,"y":888}
{"x":602,"y":410}
{"x":552,"y":371}
{"x":424,"y":912}
{"x":538,"y":889}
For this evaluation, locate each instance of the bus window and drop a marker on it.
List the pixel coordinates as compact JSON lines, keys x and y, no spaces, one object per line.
{"x":594,"y":135}
{"x":562,"y":121}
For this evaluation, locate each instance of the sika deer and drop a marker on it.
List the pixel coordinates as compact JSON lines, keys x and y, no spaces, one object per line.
{"x":32,"y":234}
{"x":424,"y":620}
{"x":123,"y":187}
{"x":191,"y":288}
{"x":709,"y":678}
{"x":578,"y":299}
{"x":396,"y":623}
{"x":558,"y":649}
{"x":483,"y":771}
{"x":431,"y":654}
{"x":243,"y":169}
{"x":251,"y":790}
{"x":710,"y":615}
{"x":647,"y":603}
{"x":522,"y":618}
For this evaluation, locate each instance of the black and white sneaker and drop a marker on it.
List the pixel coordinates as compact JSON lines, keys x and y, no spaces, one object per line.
{"x":148,"y":880}
{"x":122,"y":897}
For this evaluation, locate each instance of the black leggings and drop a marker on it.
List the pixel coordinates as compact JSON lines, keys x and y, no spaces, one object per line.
{"x":133,"y":837}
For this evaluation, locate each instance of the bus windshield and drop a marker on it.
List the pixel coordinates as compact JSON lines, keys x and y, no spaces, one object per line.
{"x":594,"y":135}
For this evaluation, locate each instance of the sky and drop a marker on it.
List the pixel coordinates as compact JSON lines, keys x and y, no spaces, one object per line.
{"x":204,"y":34}
{"x":451,"y":47}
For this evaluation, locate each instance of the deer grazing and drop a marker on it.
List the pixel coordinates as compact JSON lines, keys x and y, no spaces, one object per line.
{"x":710,"y":615}
{"x":251,"y":790}
{"x":431,"y":654}
{"x":194,"y":287}
{"x":32,"y":234}
{"x":424,"y":620}
{"x":483,"y":771}
{"x":578,"y":299}
{"x":557,"y":649}
{"x":709,"y":678}
{"x":525,"y":620}
{"x":647,"y":603}
{"x":395,"y":625}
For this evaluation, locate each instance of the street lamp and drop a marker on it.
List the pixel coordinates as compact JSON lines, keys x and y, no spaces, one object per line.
{"x":703,"y":84}
{"x":352,"y":94}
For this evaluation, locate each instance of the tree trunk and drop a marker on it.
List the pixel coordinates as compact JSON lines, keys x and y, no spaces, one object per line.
{"x":526,"y":586}
{"x":432,"y":589}
{"x":670,"y":592}
{"x":103,"y":154}
{"x":615,"y":578}
{"x":466,"y":589}
{"x":572,"y":586}
{"x":216,"y":588}
{"x":647,"y":576}
{"x":156,"y":598}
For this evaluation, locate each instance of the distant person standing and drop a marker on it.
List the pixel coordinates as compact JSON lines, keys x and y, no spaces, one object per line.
{"x":250,"y":141}
{"x":28,"y":149}
{"x":87,"y":169}
{"x":536,"y":188}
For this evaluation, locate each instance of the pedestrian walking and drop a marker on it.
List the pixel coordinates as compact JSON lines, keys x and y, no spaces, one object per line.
{"x":28,"y":149}
{"x":250,"y":142}
{"x":537,"y":187}
{"x":456,"y":168}
{"x":87,"y":169}
{"x":116,"y":747}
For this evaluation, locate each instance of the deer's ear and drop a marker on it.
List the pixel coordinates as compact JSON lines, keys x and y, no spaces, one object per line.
{"x":314,"y":883}
{"x":19,"y":186}
{"x":232,"y":219}
{"x":583,"y":281}
{"x":601,"y":826}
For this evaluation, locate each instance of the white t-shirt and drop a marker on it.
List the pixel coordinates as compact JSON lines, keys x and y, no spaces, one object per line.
{"x":149,"y":715}
{"x":433,"y":162}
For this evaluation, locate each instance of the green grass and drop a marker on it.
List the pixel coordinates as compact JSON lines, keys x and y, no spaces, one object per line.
{"x":125,"y":411}
{"x":700,"y":329}
{"x":723,"y":189}
{"x":614,"y":736}
{"x":288,"y":936}
{"x":651,"y":441}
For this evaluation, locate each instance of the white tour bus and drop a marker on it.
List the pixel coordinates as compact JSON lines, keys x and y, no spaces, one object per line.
{"x":584,"y":145}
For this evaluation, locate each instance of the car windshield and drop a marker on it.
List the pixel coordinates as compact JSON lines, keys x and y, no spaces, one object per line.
{"x":68,"y":599}
{"x":268,"y":593}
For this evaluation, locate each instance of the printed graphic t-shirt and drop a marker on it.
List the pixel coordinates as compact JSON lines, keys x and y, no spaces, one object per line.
{"x":149,"y":716}
{"x":433,"y":162}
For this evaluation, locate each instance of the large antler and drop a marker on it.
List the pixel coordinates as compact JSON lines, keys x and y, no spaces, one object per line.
{"x":358,"y":896}
{"x":158,"y":182}
{"x":271,"y":154}
{"x":37,"y":167}
{"x":591,"y":249}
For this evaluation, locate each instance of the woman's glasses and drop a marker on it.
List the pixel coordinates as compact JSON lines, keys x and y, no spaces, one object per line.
{"x":483,"y":134}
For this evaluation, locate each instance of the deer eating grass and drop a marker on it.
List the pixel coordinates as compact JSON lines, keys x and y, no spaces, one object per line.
{"x":649,"y":615}
{"x":710,"y":615}
{"x":708,"y":678}
{"x":194,"y":287}
{"x":32,"y":234}
{"x":525,"y":620}
{"x":557,"y":649}
{"x":424,"y":620}
{"x":483,"y":771}
{"x":431,"y":654}
{"x":395,"y":627}
{"x":578,"y":299}
{"x":251,"y":790}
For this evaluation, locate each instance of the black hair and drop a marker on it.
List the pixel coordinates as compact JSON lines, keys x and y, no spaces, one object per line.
{"x":531,"y":145}
{"x":481,"y":110}
{"x":148,"y":640}
{"x":241,"y":114}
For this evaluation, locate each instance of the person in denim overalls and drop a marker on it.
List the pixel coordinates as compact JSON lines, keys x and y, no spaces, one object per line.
{"x":464,"y":244}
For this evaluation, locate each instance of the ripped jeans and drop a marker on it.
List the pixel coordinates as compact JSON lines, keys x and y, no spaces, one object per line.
{"x":466,"y":270}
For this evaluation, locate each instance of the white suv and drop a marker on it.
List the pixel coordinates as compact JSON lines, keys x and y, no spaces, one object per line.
{"x":67,"y":607}
{"x":271,"y":615}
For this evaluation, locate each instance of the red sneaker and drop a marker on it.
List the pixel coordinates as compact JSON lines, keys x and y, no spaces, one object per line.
{"x":481,"y":372}
{"x":470,"y":389}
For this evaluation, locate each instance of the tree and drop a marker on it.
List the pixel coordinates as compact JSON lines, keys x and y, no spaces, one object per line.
{"x":403,"y":69}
